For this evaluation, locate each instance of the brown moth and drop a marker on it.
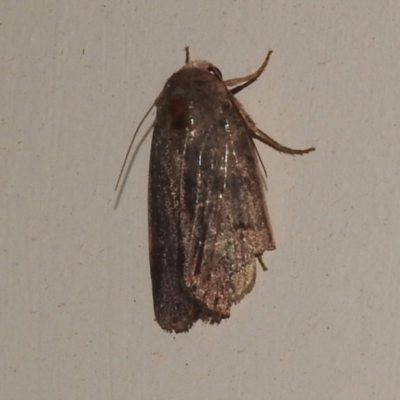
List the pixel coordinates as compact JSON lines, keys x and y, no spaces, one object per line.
{"x":208,"y":217}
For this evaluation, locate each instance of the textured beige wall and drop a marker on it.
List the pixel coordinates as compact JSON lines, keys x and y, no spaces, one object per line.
{"x":76,"y":319}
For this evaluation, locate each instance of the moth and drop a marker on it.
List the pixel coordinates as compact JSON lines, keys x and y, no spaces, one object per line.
{"x":208,"y":217}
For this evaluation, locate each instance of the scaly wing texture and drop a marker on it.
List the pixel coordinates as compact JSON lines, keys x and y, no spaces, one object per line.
{"x":175,"y":310}
{"x":207,"y":214}
{"x":223,"y":217}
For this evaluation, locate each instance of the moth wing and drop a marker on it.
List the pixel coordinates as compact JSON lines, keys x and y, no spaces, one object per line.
{"x":224,"y":219}
{"x":174,"y":309}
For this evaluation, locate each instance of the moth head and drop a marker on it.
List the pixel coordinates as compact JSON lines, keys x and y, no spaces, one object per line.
{"x":206,"y":66}
{"x":213,"y":70}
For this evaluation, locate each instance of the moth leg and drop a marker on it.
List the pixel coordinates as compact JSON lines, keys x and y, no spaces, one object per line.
{"x":263,"y":266}
{"x":263,"y":137}
{"x":247,"y":80}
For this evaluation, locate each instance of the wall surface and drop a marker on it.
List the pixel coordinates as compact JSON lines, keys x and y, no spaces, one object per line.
{"x":76,"y":313}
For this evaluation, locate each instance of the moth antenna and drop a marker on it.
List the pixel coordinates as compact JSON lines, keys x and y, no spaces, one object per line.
{"x":187,"y":58}
{"x":131,"y":144}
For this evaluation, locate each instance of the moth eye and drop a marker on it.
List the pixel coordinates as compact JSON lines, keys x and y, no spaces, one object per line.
{"x":215,"y":71}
